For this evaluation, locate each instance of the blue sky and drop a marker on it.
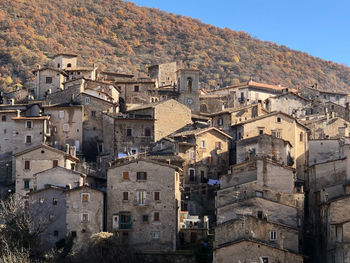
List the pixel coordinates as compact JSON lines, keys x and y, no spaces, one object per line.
{"x":320,"y":28}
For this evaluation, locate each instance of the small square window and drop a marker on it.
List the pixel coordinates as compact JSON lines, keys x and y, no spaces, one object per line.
{"x":29,"y":124}
{"x":278,"y":119}
{"x":85,"y":217}
{"x":54,"y":201}
{"x":145,"y":218}
{"x":125,"y":196}
{"x":156,"y":196}
{"x":28,"y":139}
{"x":61,"y":114}
{"x":26,"y":184}
{"x":27,"y":165}
{"x":125,"y":175}
{"x":128,"y":132}
{"x":141,"y":176}
{"x":155,"y":235}
{"x":87,"y":100}
{"x":74,"y":234}
{"x":93,"y":113}
{"x":136,"y":88}
{"x":85,"y":197}
{"x":48,"y":80}
{"x":156,"y":216}
{"x":259,"y":193}
{"x":273,"y":235}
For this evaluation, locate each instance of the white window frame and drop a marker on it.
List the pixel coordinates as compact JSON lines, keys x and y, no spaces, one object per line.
{"x":81,"y":197}
{"x":273,"y":235}
{"x":31,"y":139}
{"x":61,"y":114}
{"x":31,"y":126}
{"x":87,"y":100}
{"x":65,"y":127}
{"x":155,"y":234}
{"x":141,"y":197}
{"x":82,"y":217}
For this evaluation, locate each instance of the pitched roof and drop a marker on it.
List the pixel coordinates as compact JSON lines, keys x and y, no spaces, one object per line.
{"x":71,"y":157}
{"x":144,"y":160}
{"x":231,"y":110}
{"x":253,"y":84}
{"x":63,"y":169}
{"x":289,"y":93}
{"x":269,"y":115}
{"x":31,"y":118}
{"x":151,"y":105}
{"x":65,"y":54}
{"x":50,"y":68}
{"x":200,"y":131}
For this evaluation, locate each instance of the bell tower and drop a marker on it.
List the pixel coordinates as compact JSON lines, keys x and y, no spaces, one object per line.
{"x":188,"y":87}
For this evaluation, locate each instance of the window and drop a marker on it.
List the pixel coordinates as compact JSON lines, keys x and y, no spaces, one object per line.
{"x":65,"y":127}
{"x":203,"y":144}
{"x":259,"y":193}
{"x":147,"y":132}
{"x":261,"y":131}
{"x":74,"y":234}
{"x":156,"y":196}
{"x":141,"y":197}
{"x":55,"y":233}
{"x":324,"y":96}
{"x":218,"y":145}
{"x":84,"y":217}
{"x":72,"y":166}
{"x":191,"y":155}
{"x":26,"y":184}
{"x":136,"y":88}
{"x":203,"y":180}
{"x":125,"y":221}
{"x":260,"y":214}
{"x":145,"y":218}
{"x":125,"y":196}
{"x":48,"y":80}
{"x":87,"y":100}
{"x":54,"y":163}
{"x":278,"y":119}
{"x":276,"y":133}
{"x":192,"y":174}
{"x":155,"y":235}
{"x":69,"y":65}
{"x":220,"y":122}
{"x":156,"y":216}
{"x":27,"y":165}
{"x":125,"y":175}
{"x":128,"y":132}
{"x":3,"y":118}
{"x":264,"y":259}
{"x":93,"y":113}
{"x":54,"y":201}
{"x":301,"y":136}
{"x":189,"y":84}
{"x":28,"y":139}
{"x":273,"y":235}
{"x":61,"y":114}
{"x":29,"y":124}
{"x":85,"y":197}
{"x":141,"y":176}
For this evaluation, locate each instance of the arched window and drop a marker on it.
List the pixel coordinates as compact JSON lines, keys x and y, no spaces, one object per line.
{"x":189,"y":84}
{"x":69,"y":65}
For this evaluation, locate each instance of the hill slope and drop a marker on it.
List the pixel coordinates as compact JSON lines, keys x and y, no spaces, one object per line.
{"x":119,"y":35}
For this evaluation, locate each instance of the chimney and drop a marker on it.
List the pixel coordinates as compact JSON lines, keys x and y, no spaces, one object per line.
{"x":18,"y":113}
{"x":333,"y":114}
{"x":73,"y":151}
{"x":67,"y":148}
{"x":68,"y":186}
{"x":12,"y":101}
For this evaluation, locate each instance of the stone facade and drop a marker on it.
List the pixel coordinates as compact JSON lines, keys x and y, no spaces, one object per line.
{"x":35,"y":160}
{"x":48,"y":81}
{"x":6,"y":131}
{"x":289,"y":103}
{"x":143,"y":204}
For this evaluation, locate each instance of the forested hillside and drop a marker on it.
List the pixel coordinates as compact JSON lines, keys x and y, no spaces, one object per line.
{"x":118,"y":35}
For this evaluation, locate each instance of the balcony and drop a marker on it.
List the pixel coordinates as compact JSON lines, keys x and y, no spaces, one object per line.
{"x":125,"y":225}
{"x":141,"y":203}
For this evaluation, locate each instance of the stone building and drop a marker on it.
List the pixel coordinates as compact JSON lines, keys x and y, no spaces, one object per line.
{"x":278,"y":125}
{"x":47,"y":81}
{"x":65,"y":213}
{"x":143,"y":201}
{"x":260,"y":206}
{"x":6,"y":132}
{"x":37,"y":159}
{"x":250,"y":92}
{"x":66,"y":125}
{"x":289,"y":103}
{"x":132,"y":133}
{"x":315,"y":93}
{"x":206,"y":156}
